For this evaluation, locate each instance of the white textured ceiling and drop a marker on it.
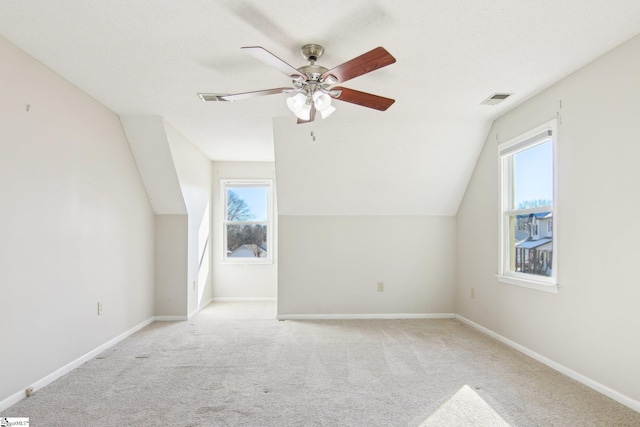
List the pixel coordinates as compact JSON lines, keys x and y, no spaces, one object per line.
{"x":152,"y":57}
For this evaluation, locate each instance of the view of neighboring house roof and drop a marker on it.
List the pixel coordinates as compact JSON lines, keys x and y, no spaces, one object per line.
{"x":532,"y":244}
{"x":522,"y":235}
{"x":543,"y":215}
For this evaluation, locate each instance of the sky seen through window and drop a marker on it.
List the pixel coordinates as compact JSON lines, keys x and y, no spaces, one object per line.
{"x":533,"y":174}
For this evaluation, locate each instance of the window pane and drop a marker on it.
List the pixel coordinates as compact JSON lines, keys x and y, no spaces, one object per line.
{"x":247,"y":203}
{"x":533,"y":177}
{"x":246,"y":241}
{"x":531,"y":243}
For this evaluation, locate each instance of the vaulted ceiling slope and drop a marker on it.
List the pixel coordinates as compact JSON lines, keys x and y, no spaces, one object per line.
{"x":153,"y":57}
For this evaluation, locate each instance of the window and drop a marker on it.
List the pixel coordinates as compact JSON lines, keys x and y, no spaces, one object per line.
{"x":527,"y":242}
{"x":247,"y":221}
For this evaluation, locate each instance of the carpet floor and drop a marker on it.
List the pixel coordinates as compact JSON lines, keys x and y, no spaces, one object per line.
{"x":235,"y":365}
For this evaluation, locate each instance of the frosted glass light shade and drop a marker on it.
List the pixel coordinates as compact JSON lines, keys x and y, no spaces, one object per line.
{"x":304,"y":113}
{"x":322,"y":101}
{"x":296,"y":102}
{"x":327,"y":111}
{"x":300,"y":106}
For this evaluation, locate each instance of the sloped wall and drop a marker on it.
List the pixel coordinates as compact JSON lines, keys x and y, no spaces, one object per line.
{"x":149,"y":144}
{"x":357,"y":209}
{"x":591,"y":324}
{"x":76,"y":226}
{"x":194,"y":174}
{"x":177,"y":178}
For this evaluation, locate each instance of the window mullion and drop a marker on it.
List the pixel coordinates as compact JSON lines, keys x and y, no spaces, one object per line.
{"x":247,"y":222}
{"x":537,"y":209}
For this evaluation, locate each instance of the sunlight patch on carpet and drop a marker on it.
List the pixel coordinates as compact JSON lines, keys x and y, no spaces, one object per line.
{"x":465,"y":408}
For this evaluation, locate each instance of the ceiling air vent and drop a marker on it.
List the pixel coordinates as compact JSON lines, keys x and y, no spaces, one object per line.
{"x":206,"y":97}
{"x":496,"y":98}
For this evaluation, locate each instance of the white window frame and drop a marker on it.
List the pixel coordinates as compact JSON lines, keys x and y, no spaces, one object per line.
{"x":541,"y":134}
{"x":226,"y":184}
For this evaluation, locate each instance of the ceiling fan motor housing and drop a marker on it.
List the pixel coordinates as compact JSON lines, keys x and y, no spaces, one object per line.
{"x":313,"y":72}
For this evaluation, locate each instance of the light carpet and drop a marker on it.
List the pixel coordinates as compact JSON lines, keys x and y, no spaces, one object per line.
{"x":235,"y":365}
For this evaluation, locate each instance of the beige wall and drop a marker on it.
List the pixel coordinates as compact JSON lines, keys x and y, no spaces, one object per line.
{"x":76,"y":226}
{"x":332,"y":264}
{"x":244,"y":280}
{"x":592,"y":325}
{"x":171,"y":266}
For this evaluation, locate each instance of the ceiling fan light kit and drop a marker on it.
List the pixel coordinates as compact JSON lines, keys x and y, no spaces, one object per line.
{"x":300,"y":106}
{"x":313,"y":84}
{"x":301,"y":103}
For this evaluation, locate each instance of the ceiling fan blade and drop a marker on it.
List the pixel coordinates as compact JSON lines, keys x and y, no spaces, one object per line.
{"x":207,"y":97}
{"x":270,"y":59}
{"x":312,"y":116}
{"x":364,"y":99}
{"x":365,"y":63}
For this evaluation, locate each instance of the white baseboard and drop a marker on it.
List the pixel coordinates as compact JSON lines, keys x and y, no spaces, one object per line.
{"x":18,"y":396}
{"x":386,"y":316}
{"x":244,"y":299}
{"x":601,"y":388}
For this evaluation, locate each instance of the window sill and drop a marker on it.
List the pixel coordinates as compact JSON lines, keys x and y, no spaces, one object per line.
{"x":246,"y":262}
{"x":531,"y":284}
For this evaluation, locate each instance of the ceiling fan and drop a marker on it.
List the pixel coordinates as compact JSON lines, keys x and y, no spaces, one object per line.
{"x":313,"y":85}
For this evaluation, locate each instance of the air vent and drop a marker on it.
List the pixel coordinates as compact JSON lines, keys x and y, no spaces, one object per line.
{"x":208,"y":97}
{"x":496,"y":98}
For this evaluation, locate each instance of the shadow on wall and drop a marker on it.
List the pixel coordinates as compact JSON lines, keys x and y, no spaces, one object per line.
{"x":204,"y":253}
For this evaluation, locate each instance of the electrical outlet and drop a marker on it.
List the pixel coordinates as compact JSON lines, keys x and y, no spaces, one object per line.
{"x":380,"y":286}
{"x":473,"y":293}
{"x":99,"y":309}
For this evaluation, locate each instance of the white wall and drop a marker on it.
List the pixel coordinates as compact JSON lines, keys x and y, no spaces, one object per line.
{"x":149,"y":143}
{"x":171,"y":265}
{"x":76,"y":226}
{"x":194,"y":173}
{"x":242,"y":281}
{"x":358,"y":166}
{"x":177,"y":177}
{"x":592,"y":324}
{"x":332,"y":264}
{"x":357,"y":208}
